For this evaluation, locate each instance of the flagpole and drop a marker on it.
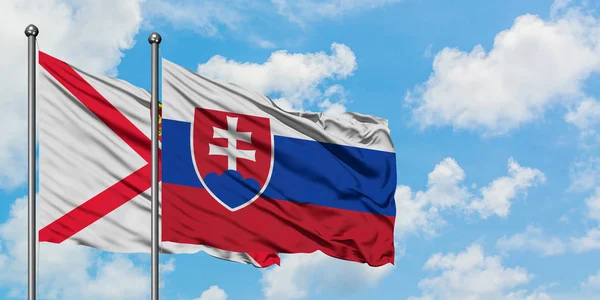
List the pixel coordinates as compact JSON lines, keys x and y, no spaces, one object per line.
{"x":154,"y":39}
{"x":31,"y":32}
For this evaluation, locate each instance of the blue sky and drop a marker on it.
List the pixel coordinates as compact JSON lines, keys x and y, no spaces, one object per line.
{"x":492,"y":107}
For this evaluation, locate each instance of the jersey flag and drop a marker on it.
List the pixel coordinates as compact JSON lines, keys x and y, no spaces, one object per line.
{"x":241,"y":174}
{"x":94,"y":165}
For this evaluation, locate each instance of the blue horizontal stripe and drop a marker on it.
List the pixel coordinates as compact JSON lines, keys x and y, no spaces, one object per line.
{"x":304,"y":171}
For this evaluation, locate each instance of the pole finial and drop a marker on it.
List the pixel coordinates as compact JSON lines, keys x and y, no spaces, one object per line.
{"x":154,"y":38}
{"x":31,"y":30}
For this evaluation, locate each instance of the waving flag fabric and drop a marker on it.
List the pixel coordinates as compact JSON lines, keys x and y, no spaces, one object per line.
{"x":241,"y":174}
{"x":94,"y":164}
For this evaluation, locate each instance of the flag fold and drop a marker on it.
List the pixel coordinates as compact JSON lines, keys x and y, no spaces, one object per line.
{"x":241,"y":174}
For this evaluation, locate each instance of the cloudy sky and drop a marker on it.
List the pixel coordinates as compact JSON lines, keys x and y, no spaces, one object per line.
{"x":493,"y":107}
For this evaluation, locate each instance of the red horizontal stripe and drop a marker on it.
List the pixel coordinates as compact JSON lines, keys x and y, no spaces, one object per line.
{"x":192,"y":216}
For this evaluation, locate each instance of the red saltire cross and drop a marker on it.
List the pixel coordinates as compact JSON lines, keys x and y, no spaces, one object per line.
{"x":119,"y":193}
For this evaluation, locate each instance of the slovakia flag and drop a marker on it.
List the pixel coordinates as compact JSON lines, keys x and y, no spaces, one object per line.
{"x":241,"y":174}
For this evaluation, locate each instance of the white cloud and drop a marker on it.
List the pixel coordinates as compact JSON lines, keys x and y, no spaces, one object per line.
{"x":446,"y":190}
{"x":593,"y":205}
{"x":118,"y":278}
{"x":66,"y":271}
{"x":164,"y":269}
{"x":245,"y":18}
{"x":443,"y":189}
{"x":418,"y":215}
{"x":262,"y":43}
{"x":167,"y":267}
{"x":588,"y":290}
{"x":420,"y":210}
{"x":204,"y":16}
{"x":586,"y":115}
{"x":300,"y":275}
{"x":428,"y":50}
{"x":213,"y":293}
{"x":592,"y":283}
{"x":487,"y":278}
{"x":334,"y":100}
{"x":496,"y":196}
{"x":532,"y":239}
{"x":589,"y":242}
{"x":532,"y":66}
{"x":559,"y":6}
{"x":333,"y":109}
{"x":310,"y":10}
{"x":524,"y":295}
{"x":74,"y":31}
{"x":212,"y":18}
{"x":585,"y":175}
{"x":302,"y":86}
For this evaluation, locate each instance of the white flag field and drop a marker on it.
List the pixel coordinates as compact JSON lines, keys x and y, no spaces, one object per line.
{"x":94,"y":165}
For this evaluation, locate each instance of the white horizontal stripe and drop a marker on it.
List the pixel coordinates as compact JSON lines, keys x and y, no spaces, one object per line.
{"x":183,"y":90}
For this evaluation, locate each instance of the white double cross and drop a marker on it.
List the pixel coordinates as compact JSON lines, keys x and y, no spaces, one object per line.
{"x":231,"y":151}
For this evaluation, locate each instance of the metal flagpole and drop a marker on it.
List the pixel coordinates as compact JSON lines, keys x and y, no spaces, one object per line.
{"x":31,"y":32}
{"x":154,"y":39}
